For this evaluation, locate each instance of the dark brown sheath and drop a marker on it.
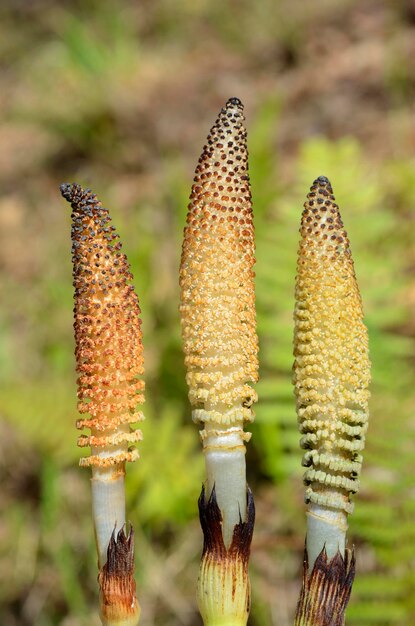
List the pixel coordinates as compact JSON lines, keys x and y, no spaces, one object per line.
{"x":326,"y":592}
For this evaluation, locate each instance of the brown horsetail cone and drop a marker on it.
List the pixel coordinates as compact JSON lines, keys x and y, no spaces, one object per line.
{"x":331,"y":378}
{"x":221,"y":355}
{"x":109,"y":360}
{"x":109,"y":351}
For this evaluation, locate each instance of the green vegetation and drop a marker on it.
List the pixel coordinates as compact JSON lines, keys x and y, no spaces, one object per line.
{"x":121,"y":99}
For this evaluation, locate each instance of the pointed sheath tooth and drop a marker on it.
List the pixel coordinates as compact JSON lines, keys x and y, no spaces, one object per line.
{"x":326,"y":590}
{"x":119,"y":606}
{"x":109,"y":351}
{"x":217,"y":278}
{"x":332,"y":368}
{"x":224,"y":593}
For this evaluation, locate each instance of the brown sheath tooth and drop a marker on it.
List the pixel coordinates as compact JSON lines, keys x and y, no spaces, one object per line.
{"x":223,"y":586}
{"x":116,"y":581}
{"x":211,"y":523}
{"x":326,"y":592}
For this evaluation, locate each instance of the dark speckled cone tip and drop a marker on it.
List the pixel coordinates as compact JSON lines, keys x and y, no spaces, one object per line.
{"x":323,"y":180}
{"x":66,"y":191}
{"x":235,"y":102}
{"x":76,"y":195}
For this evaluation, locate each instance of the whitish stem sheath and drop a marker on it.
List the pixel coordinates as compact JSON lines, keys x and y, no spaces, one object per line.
{"x":224,"y":451}
{"x":108,"y":507}
{"x":326,"y":528}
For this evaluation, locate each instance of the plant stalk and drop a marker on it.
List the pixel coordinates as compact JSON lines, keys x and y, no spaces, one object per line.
{"x":220,"y":345}
{"x":331,"y":378}
{"x":109,"y":359}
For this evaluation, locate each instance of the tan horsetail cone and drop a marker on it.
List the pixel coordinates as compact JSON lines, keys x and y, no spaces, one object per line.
{"x":109,"y":350}
{"x":217,"y":278}
{"x":221,"y":356}
{"x":332,"y":368}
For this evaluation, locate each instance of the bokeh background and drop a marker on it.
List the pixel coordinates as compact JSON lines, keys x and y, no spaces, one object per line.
{"x":119,"y":96}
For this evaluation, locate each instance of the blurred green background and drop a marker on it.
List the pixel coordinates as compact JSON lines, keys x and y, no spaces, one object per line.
{"x":119,"y":96}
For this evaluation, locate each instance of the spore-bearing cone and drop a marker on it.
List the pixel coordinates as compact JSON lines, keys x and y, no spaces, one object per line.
{"x":119,"y":605}
{"x":326,"y":591}
{"x":217,"y":278}
{"x":223,"y":586}
{"x":107,"y":325}
{"x":332,"y":367}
